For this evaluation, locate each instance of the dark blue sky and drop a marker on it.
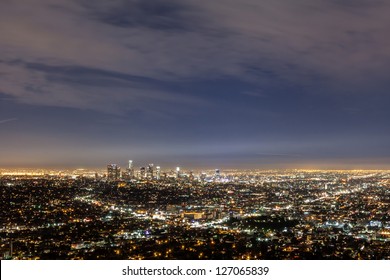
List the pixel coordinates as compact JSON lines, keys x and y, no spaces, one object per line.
{"x":197,"y":84}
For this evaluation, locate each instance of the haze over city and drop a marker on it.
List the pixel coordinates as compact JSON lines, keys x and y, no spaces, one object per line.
{"x":210,"y":84}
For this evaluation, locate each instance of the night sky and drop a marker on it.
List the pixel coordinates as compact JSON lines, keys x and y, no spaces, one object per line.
{"x":196,"y":84}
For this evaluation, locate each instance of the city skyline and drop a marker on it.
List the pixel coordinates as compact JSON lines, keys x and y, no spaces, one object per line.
{"x":204,"y":85}
{"x":289,"y":215}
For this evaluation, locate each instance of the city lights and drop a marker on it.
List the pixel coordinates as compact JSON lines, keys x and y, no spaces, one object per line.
{"x":156,"y":213}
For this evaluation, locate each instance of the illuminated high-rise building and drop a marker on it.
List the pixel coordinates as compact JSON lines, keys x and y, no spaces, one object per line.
{"x":130,"y":169}
{"x":113,"y":172}
{"x":142,"y":172}
{"x":149,"y":171}
{"x":158,"y":172}
{"x":203,"y":176}
{"x":177,"y":172}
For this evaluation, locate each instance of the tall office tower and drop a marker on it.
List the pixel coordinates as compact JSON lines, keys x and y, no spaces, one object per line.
{"x":130,"y":170}
{"x":149,"y":171}
{"x":217,"y":175}
{"x":177,"y":172}
{"x":203,"y":176}
{"x":158,"y":172}
{"x":113,"y":172}
{"x":142,"y":172}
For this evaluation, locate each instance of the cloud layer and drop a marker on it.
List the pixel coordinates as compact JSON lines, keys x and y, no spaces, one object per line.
{"x":305,"y":43}
{"x":298,"y":70}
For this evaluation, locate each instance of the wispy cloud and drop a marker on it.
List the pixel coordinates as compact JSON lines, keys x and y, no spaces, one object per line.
{"x":8,"y":120}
